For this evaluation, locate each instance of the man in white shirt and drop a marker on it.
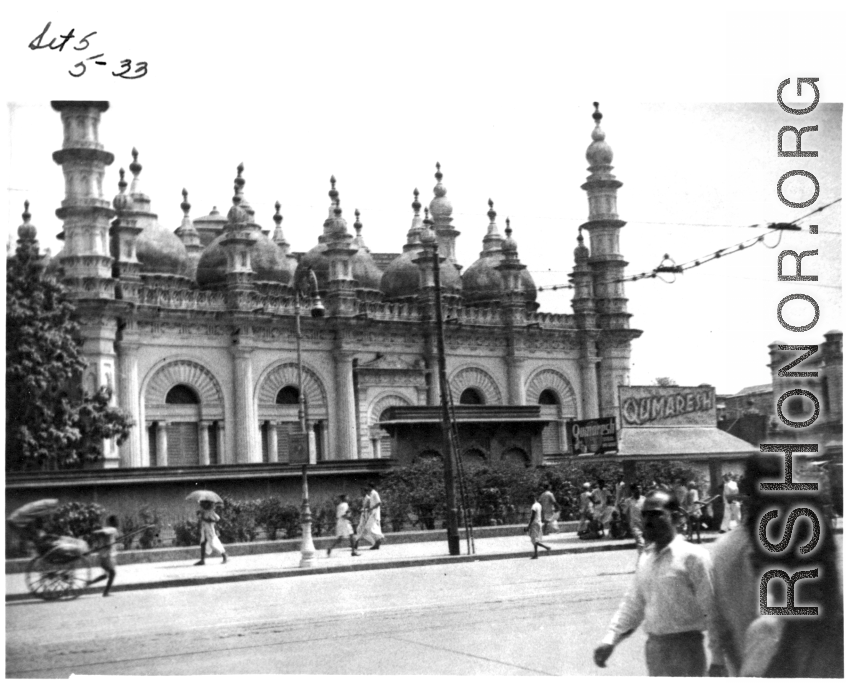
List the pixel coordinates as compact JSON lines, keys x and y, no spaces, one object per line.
{"x":549,"y":508}
{"x":671,"y":595}
{"x":534,"y":528}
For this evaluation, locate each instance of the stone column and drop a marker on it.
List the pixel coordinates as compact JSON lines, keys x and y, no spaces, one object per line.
{"x":221,"y":437}
{"x":129,"y":399}
{"x":563,"y":430}
{"x":161,"y":443}
{"x":204,"y":441}
{"x":515,"y":377}
{"x":345,"y":418}
{"x":273,"y":446}
{"x":590,"y":401}
{"x":245,"y":436}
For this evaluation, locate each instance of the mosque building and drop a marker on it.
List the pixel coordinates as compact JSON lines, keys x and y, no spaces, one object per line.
{"x":195,"y":328}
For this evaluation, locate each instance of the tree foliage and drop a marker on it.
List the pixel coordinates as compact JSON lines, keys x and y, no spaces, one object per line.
{"x":50,"y":422}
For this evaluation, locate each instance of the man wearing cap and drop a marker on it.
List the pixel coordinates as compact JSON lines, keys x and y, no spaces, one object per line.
{"x":671,"y":595}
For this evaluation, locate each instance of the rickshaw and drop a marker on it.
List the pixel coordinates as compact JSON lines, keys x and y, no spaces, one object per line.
{"x":61,"y":568}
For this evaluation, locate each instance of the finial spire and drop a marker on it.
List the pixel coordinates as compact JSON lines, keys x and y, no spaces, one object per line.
{"x":122,"y":184}
{"x":185,"y":206}
{"x":597,"y":116}
{"x":416,"y":205}
{"x":135,"y":169}
{"x":278,"y":215}
{"x":492,"y":214}
{"x":26,"y":230}
{"x":438,"y":174}
{"x":508,"y":227}
{"x":358,"y":224}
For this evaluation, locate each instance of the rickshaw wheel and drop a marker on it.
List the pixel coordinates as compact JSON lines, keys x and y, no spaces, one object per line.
{"x":55,"y":576}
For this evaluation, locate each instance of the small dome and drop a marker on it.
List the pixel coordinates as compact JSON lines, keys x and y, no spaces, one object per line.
{"x":365,"y":271}
{"x":268,"y":261}
{"x":480,"y":282}
{"x":317,"y":260}
{"x":160,"y":251}
{"x":598,"y":153}
{"x":581,"y":251}
{"x":440,"y":207}
{"x":209,"y":227}
{"x":122,"y":201}
{"x":401,"y":278}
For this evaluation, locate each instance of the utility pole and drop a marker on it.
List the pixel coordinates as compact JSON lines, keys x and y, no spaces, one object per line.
{"x":453,"y":540}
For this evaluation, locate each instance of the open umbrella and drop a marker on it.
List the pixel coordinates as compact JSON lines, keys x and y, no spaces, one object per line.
{"x":27,"y":514}
{"x":200,"y":496}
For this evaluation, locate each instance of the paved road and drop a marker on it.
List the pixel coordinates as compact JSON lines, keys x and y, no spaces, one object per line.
{"x":509,"y":617}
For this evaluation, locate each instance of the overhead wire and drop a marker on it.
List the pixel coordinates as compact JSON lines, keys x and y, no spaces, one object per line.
{"x":695,"y":263}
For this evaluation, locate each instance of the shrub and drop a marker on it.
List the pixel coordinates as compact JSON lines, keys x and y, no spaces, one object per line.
{"x":75,"y":519}
{"x":274,"y":517}
{"x":186,"y":533}
{"x":323,"y":518}
{"x":238,"y":521}
{"x":149,"y":538}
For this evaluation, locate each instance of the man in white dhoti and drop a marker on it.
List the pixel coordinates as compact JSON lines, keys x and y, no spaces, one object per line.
{"x":370,"y":527}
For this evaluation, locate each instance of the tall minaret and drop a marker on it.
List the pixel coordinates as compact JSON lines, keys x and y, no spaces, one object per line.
{"x":607,"y":267}
{"x":86,"y":214}
{"x":87,"y":259}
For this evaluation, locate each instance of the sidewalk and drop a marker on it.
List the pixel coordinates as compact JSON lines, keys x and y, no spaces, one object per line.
{"x":178,"y":573}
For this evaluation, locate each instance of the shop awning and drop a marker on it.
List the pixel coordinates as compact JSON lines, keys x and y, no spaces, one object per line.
{"x":677,"y":443}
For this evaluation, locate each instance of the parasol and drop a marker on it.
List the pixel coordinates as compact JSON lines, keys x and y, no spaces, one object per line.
{"x":27,"y":514}
{"x":200,"y":496}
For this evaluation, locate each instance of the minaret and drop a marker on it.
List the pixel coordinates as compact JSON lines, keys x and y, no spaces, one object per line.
{"x":86,"y":215}
{"x":441,"y":211}
{"x":586,"y":322}
{"x":125,"y":230}
{"x":189,"y":235}
{"x":341,"y":290}
{"x":607,"y":266}
{"x":87,"y":260}
{"x":514,"y":312}
{"x":238,"y":240}
{"x":279,"y":238}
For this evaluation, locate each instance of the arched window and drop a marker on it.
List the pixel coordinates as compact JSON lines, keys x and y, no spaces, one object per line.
{"x":429,"y":456}
{"x":471,"y":397}
{"x":183,"y":436}
{"x":548,"y":398}
{"x":516,"y":457}
{"x":182,"y":394}
{"x":473,"y":459}
{"x":384,"y":438}
{"x":549,"y":402}
{"x":288,"y":396}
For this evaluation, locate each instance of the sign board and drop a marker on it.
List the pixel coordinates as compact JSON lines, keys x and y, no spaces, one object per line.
{"x":298,"y":448}
{"x":590,"y":437}
{"x":667,"y":406}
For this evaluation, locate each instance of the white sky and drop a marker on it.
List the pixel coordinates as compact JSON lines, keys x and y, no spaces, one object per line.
{"x":376,"y":93}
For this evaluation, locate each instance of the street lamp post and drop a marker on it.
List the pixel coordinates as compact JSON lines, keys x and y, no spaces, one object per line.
{"x":307,"y":546}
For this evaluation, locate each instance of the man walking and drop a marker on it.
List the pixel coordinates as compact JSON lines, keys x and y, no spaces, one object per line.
{"x":634,"y":520}
{"x":536,"y":535}
{"x":549,"y":508}
{"x":343,"y":527}
{"x":371,"y":530}
{"x":672,"y":595}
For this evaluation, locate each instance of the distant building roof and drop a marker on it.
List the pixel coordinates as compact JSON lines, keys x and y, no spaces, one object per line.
{"x":755,"y":389}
